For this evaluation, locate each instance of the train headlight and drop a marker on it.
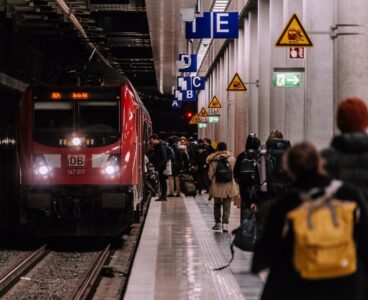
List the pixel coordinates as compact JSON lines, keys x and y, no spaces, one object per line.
{"x":76,"y":141}
{"x":40,"y":166}
{"x":111,"y":170}
{"x":111,"y":167}
{"x":43,"y":170}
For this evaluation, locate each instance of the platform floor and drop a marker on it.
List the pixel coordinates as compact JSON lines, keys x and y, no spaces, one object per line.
{"x":178,"y":251}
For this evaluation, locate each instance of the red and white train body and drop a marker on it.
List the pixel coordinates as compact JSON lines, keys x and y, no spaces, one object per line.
{"x":81,"y":156}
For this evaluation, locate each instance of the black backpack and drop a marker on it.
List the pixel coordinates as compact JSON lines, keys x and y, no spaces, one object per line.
{"x":277,"y":180}
{"x":224,"y":172}
{"x":248,"y":168}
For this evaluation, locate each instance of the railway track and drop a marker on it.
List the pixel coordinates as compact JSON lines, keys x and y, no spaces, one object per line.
{"x":12,"y":276}
{"x":92,"y":275}
{"x":46,"y":274}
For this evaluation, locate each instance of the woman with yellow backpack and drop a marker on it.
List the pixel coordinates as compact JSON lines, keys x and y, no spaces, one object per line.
{"x":315,"y":242}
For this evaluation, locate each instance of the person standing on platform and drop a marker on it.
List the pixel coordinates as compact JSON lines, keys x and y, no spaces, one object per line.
{"x":347,"y":157}
{"x":315,"y":242}
{"x":223,"y":187}
{"x":159,"y":159}
{"x":208,"y":146}
{"x":177,"y":163}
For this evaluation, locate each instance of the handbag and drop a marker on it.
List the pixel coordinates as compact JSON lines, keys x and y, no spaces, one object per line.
{"x":244,"y":237}
{"x":245,"y":234}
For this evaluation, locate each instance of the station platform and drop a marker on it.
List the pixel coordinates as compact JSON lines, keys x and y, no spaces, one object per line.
{"x":178,"y":252}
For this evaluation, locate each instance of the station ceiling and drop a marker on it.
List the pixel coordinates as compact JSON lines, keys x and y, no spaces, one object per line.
{"x":118,"y":28}
{"x":167,"y":35}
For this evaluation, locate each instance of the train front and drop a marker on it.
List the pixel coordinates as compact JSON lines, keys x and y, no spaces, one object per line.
{"x":73,"y":182}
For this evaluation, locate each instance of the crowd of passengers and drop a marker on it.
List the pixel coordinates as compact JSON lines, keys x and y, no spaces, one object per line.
{"x":298,"y":195}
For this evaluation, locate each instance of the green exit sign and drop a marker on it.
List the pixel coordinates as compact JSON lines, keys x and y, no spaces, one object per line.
{"x":202,"y":125}
{"x":287,"y":79}
{"x":213,"y":119}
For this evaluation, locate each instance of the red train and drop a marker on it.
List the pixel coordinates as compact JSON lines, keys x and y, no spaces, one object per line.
{"x":81,"y":157}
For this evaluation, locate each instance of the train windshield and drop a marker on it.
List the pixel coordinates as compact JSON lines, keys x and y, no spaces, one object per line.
{"x":95,"y":120}
{"x":53,"y":117}
{"x":99,"y":117}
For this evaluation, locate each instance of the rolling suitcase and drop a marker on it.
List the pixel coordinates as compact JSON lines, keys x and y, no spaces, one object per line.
{"x":187,"y":185}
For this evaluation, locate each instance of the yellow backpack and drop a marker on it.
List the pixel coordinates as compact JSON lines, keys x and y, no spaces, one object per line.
{"x":323,"y":229}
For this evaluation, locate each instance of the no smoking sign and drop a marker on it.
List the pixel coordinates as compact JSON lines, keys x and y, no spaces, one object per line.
{"x":296,"y":52}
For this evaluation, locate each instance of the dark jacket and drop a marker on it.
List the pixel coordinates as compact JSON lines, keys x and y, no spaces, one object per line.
{"x":200,"y":161}
{"x":159,"y":156}
{"x":178,"y":160}
{"x":347,"y":159}
{"x":275,"y":252}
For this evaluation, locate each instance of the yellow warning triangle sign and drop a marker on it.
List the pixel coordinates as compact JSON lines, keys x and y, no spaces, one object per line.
{"x":215,"y":103}
{"x":236,"y":84}
{"x":194,"y":120}
{"x":203,"y":113}
{"x":294,"y":35}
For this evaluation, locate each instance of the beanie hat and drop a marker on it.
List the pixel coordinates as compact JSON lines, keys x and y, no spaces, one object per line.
{"x":352,"y":115}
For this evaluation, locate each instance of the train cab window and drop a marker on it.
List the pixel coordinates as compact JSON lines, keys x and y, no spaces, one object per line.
{"x":99,"y":117}
{"x":53,"y":117}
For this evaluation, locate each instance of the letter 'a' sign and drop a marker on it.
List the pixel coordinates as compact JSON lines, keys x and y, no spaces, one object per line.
{"x":216,"y":25}
{"x":175,"y":104}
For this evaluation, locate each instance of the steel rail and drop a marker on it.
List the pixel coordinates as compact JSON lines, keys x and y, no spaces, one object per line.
{"x":13,"y":275}
{"x":92,"y":275}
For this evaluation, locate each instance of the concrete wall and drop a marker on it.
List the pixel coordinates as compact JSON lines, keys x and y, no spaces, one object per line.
{"x":336,"y":67}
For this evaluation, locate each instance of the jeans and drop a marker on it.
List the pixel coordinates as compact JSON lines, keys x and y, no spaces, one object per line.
{"x":225,"y":203}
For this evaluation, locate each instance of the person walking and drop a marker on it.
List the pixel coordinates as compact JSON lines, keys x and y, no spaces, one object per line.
{"x":159,"y":159}
{"x":246,"y":174}
{"x":330,"y":214}
{"x":200,"y":165}
{"x":223,"y":187}
{"x":347,"y":156}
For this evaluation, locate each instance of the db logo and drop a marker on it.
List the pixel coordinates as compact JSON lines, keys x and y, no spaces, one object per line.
{"x":76,"y":160}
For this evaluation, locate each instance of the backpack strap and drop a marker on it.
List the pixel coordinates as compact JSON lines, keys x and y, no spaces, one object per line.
{"x":324,"y":200}
{"x":328,"y":192}
{"x":231,"y":259}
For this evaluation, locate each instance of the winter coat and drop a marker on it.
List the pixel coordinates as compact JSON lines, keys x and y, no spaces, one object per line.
{"x":347,"y":159}
{"x":159,"y":157}
{"x":275,"y":251}
{"x":221,"y":189}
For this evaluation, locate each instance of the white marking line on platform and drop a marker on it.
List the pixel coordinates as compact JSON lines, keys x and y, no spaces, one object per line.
{"x":144,"y":266}
{"x":224,"y":281}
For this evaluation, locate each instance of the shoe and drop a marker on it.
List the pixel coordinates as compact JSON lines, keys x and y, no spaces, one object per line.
{"x":161,"y":199}
{"x":224,"y":228}
{"x":178,"y":195}
{"x":217,"y":227}
{"x":170,"y":195}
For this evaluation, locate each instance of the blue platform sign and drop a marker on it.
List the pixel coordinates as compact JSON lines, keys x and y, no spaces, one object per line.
{"x":175,"y":104}
{"x":185,"y":95}
{"x":187,"y":63}
{"x":191,"y":83}
{"x":216,"y":25}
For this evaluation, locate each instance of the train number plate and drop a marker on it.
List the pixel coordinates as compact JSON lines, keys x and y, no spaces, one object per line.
{"x":77,"y":160}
